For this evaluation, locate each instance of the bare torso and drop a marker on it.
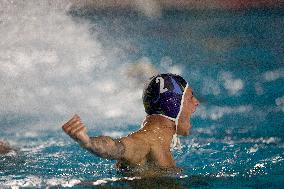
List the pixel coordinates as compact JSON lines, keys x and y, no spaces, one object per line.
{"x":147,"y":148}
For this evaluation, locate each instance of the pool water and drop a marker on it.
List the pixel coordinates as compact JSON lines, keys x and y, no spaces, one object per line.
{"x":232,"y":59}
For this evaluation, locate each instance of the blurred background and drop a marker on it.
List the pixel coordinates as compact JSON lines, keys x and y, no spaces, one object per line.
{"x":89,"y":57}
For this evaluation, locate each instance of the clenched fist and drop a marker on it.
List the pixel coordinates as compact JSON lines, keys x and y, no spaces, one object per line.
{"x":76,"y":130}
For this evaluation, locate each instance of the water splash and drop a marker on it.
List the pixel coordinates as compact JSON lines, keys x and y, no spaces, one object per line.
{"x":52,"y":67}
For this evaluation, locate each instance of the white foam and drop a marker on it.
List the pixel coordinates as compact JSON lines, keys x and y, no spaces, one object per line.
{"x":277,"y":159}
{"x":53,"y":67}
{"x":166,"y":65}
{"x":273,"y":75}
{"x":280,"y":102}
{"x":253,"y":150}
{"x":210,"y":86}
{"x":258,"y":88}
{"x":234,"y":86}
{"x":217,"y":112}
{"x":29,"y":181}
{"x":35,"y":147}
{"x":37,"y":182}
{"x":150,"y":8}
{"x":183,"y":176}
{"x":223,"y":174}
{"x":113,"y":179}
{"x":114,"y":134}
{"x":259,"y":165}
{"x":63,"y":182}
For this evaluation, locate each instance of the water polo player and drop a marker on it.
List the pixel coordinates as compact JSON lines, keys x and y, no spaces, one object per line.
{"x":169,"y":103}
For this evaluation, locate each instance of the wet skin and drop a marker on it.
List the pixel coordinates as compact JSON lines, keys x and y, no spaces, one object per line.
{"x":147,"y":148}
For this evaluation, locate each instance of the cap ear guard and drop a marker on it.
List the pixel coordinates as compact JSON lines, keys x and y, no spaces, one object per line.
{"x":176,"y":141}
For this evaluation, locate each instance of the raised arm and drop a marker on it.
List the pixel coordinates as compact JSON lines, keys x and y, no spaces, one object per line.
{"x":102,"y":146}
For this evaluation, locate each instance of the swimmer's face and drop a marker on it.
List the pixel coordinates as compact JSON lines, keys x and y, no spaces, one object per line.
{"x":190,"y":104}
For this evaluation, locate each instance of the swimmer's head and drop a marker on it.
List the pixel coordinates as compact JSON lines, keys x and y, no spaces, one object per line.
{"x":164,"y":94}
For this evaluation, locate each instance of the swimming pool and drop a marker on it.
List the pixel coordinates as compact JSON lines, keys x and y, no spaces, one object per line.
{"x":57,"y":63}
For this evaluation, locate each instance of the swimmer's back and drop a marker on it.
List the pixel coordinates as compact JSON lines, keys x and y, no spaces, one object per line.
{"x":137,"y":148}
{"x":145,"y":147}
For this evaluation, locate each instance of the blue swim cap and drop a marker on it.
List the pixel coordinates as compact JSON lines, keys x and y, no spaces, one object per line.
{"x":163,"y":95}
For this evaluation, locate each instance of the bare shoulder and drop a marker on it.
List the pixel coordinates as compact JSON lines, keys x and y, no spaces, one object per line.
{"x":138,"y":139}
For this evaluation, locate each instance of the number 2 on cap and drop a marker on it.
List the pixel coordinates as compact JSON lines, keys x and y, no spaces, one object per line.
{"x":162,"y":84}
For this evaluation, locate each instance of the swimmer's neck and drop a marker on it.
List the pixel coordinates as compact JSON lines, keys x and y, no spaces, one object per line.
{"x":154,"y":121}
{"x":161,"y":125}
